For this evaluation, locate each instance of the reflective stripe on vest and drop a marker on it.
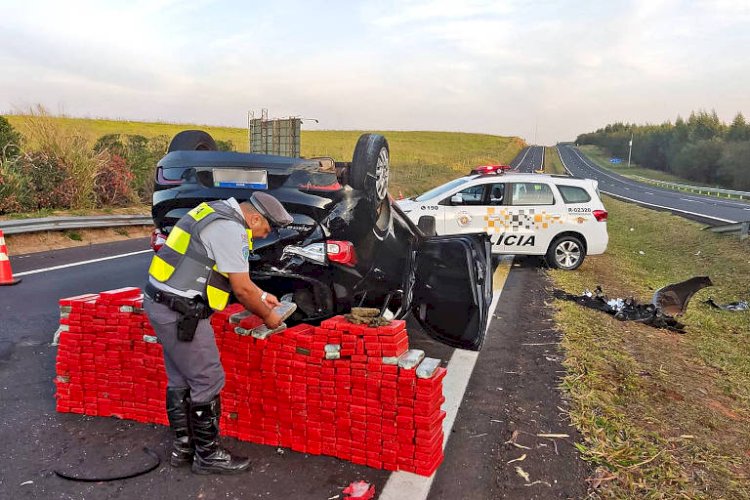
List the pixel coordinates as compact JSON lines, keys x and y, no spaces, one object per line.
{"x":183,"y":263}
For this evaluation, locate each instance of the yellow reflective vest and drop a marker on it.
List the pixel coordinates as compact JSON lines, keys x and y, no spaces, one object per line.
{"x":183,"y":263}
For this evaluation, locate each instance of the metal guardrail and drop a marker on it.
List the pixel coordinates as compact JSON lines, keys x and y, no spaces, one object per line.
{"x":742,"y":228}
{"x":742,"y":195}
{"x":19,"y":226}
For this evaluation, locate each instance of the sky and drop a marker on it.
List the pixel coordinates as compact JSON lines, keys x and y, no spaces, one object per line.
{"x":543,"y":70}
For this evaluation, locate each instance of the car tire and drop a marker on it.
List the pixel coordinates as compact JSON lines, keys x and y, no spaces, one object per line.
{"x":426,"y":224}
{"x":371,"y":166}
{"x":192,"y":140}
{"x":566,"y":253}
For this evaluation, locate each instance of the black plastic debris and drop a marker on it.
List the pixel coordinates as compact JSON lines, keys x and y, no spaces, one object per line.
{"x":667,"y":303}
{"x":741,"y":305}
{"x":673,"y":299}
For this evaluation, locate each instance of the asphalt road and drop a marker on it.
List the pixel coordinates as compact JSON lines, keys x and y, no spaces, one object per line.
{"x":710,"y":209}
{"x":37,"y":440}
{"x":528,"y":160}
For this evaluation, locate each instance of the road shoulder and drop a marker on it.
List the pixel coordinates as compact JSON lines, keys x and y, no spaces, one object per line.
{"x":514,"y":396}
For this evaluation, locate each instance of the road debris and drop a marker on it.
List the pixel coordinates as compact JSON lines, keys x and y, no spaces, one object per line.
{"x":672,"y":300}
{"x":27,"y":482}
{"x":522,"y":473}
{"x":553,"y":436}
{"x":512,"y":441}
{"x":519,"y":459}
{"x":667,"y":303}
{"x":741,"y":305}
{"x":539,"y":482}
{"x":359,"y":490}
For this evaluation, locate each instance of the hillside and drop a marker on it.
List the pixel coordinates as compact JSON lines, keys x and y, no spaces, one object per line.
{"x":420,"y":160}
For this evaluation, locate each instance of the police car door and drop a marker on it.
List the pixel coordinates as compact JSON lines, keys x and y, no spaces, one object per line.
{"x":529,"y":220}
{"x":463,"y":210}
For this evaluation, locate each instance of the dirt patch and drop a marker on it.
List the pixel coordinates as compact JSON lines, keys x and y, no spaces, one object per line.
{"x":717,"y":406}
{"x":20,"y":244}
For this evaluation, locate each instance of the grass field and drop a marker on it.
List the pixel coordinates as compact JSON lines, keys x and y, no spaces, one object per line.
{"x":420,"y":160}
{"x":665,"y":415}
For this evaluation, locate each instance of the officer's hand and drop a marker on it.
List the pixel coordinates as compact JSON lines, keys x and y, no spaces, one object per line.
{"x":273,"y":320}
{"x":271,"y":300}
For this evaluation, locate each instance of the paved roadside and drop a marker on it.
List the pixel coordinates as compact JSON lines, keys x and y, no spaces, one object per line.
{"x":514,"y":391}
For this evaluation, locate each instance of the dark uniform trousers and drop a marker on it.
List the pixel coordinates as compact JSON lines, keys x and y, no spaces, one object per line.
{"x":194,"y":364}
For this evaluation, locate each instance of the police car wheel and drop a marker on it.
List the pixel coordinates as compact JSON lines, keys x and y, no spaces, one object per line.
{"x":371,"y":166}
{"x":566,"y":253}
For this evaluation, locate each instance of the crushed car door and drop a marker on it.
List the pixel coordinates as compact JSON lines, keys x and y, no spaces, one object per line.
{"x":453,"y":288}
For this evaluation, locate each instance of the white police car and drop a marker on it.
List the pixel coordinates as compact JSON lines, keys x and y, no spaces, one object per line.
{"x":560,"y":217}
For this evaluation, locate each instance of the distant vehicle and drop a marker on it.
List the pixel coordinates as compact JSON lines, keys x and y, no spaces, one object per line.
{"x":349,"y":244}
{"x":560,"y":217}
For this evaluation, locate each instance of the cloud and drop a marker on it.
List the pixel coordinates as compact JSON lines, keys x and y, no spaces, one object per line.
{"x":506,"y":67}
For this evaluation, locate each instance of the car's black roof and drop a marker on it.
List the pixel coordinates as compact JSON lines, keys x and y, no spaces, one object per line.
{"x":182,"y":159}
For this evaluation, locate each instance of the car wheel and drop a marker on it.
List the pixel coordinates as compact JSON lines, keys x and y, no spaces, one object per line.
{"x":371,"y":166}
{"x":192,"y":140}
{"x":566,"y":253}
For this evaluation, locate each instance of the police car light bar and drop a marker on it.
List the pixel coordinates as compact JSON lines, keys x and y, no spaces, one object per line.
{"x":490,"y":169}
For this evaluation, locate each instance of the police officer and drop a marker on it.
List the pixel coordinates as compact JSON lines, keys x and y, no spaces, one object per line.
{"x":204,"y":259}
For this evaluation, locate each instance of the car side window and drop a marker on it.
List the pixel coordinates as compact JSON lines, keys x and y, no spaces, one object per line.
{"x":532,"y":193}
{"x":473,"y":195}
{"x":497,"y":194}
{"x":573,"y":194}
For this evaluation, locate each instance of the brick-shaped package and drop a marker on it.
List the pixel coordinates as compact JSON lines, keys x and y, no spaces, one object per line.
{"x":335,"y":389}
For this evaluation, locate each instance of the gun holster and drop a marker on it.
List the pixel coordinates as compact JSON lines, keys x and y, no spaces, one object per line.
{"x":190,"y":310}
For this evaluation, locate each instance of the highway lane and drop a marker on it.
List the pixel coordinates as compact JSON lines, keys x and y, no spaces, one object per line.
{"x":710,"y":209}
{"x":528,"y":160}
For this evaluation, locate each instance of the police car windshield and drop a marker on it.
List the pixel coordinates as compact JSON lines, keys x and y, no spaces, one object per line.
{"x":434,"y":193}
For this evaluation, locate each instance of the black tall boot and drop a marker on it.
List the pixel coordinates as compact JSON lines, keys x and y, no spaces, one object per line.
{"x":178,"y":412}
{"x":210,"y":458}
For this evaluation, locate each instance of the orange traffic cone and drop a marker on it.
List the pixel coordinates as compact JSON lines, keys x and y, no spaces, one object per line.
{"x":6,"y":273}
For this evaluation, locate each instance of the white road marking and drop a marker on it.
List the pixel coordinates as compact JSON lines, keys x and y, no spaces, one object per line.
{"x":523,"y":158}
{"x":641,"y":202}
{"x":82,"y":263}
{"x":402,"y":485}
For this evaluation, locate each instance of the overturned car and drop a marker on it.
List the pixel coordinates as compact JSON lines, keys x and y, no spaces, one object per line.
{"x":349,"y":245}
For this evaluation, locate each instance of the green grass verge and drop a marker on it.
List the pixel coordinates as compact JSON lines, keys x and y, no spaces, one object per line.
{"x":419,"y":160}
{"x":663,"y":415}
{"x":552,"y":162}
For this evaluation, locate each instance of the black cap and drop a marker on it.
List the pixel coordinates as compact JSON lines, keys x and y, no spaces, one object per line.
{"x":270,"y":208}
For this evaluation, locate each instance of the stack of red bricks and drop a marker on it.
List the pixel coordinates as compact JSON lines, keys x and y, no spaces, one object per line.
{"x":340,"y":389}
{"x":108,"y":361}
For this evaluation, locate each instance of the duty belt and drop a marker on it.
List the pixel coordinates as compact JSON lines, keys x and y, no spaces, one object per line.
{"x":178,"y":303}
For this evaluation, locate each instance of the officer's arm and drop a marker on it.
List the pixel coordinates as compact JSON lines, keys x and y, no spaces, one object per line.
{"x":249,"y":295}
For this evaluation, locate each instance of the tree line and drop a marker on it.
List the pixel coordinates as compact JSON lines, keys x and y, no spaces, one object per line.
{"x":702,"y":148}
